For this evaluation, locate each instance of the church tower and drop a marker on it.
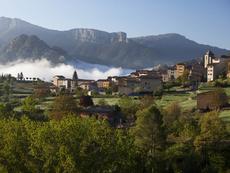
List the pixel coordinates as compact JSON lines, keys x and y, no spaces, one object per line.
{"x":208,"y":58}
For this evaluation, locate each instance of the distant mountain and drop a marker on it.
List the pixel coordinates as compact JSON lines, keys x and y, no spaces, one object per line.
{"x":31,"y":47}
{"x":113,"y":49}
{"x":176,"y":47}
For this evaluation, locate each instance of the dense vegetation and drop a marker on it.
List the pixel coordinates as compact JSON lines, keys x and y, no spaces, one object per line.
{"x":160,"y":141}
{"x":154,"y":138}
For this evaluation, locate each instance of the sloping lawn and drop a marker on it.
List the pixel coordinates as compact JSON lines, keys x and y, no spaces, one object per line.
{"x":186,"y":100}
{"x":225,"y":116}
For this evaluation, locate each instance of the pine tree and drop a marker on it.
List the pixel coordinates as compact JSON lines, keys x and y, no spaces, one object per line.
{"x":75,"y":77}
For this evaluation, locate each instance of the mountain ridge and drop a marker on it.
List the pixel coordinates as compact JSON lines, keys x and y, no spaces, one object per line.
{"x":115,"y":48}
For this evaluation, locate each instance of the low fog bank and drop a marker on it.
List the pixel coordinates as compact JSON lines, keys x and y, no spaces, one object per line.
{"x":44,"y":70}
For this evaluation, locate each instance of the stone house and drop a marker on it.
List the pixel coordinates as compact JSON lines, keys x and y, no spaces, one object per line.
{"x":147,"y":84}
{"x":103,"y":84}
{"x":64,"y":83}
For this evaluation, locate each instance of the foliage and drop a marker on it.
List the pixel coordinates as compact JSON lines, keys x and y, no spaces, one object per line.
{"x":128,"y":107}
{"x":146,"y":102}
{"x":86,"y":101}
{"x":149,"y":136}
{"x":6,"y":110}
{"x":102,"y":102}
{"x":62,"y":106}
{"x":171,"y":115}
{"x":212,"y":142}
{"x":29,"y":105}
{"x":168,"y":85}
{"x":108,"y":91}
{"x":41,"y":90}
{"x":70,"y":145}
{"x":80,"y":92}
{"x":183,"y":79}
{"x":149,"y":130}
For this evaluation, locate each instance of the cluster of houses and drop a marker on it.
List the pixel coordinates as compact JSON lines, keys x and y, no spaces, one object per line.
{"x":141,"y":81}
{"x":149,"y":81}
{"x":207,"y":69}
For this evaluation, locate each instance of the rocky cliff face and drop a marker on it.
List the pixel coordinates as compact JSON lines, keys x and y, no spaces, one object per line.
{"x":99,"y":37}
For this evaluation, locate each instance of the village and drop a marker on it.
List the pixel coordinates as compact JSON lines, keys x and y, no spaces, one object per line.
{"x":115,"y":86}
{"x":193,"y":85}
{"x":142,"y":82}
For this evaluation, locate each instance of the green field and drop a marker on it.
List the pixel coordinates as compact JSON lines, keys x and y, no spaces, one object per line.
{"x":225,"y":115}
{"x":186,"y":100}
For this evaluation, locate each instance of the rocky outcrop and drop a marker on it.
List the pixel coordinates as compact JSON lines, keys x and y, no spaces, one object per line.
{"x":99,"y":37}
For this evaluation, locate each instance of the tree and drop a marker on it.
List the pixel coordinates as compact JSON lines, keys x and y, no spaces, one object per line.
{"x":75,"y":76}
{"x":128,"y":107}
{"x":72,"y":144}
{"x":29,"y":105}
{"x":150,"y":135}
{"x":81,"y":92}
{"x":108,"y":91}
{"x":172,"y":113}
{"x":183,"y":79}
{"x":211,"y":142}
{"x":168,"y":85}
{"x":86,"y":101}
{"x":146,"y":101}
{"x":21,"y":77}
{"x":62,"y":106}
{"x":6,"y":110}
{"x":41,"y":90}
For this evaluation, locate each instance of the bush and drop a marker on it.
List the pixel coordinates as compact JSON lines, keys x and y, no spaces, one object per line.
{"x":86,"y":101}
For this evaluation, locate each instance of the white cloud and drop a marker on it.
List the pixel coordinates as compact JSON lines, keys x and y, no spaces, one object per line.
{"x":44,"y":70}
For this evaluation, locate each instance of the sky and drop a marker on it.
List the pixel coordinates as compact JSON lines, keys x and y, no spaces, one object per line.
{"x":204,"y":21}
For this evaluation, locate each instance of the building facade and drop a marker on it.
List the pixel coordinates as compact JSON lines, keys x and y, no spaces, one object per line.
{"x":180,"y":68}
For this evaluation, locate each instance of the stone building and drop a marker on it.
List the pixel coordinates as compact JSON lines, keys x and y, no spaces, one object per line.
{"x":180,"y":68}
{"x":103,"y":84}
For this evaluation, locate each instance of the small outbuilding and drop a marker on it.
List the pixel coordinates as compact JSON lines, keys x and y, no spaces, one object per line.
{"x":212,"y":100}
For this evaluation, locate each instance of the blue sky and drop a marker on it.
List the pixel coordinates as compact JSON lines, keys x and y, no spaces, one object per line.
{"x":205,"y":21}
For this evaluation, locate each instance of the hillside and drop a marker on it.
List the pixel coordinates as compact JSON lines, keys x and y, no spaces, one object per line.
{"x":31,"y":47}
{"x":113,"y":49}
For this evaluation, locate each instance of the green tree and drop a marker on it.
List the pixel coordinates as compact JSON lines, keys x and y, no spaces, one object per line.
{"x":150,"y":136}
{"x":184,"y":78}
{"x":171,"y":116}
{"x":146,"y":102}
{"x":29,"y":105}
{"x":211,"y":142}
{"x":168,"y":85}
{"x":62,"y":106}
{"x":128,"y":107}
{"x":6,"y":110}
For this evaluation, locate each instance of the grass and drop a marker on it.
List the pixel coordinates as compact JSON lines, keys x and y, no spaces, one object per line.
{"x":185,"y":100}
{"x":225,"y":115}
{"x":110,"y":101}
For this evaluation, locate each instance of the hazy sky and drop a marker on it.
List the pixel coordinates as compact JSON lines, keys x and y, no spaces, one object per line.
{"x":205,"y":21}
